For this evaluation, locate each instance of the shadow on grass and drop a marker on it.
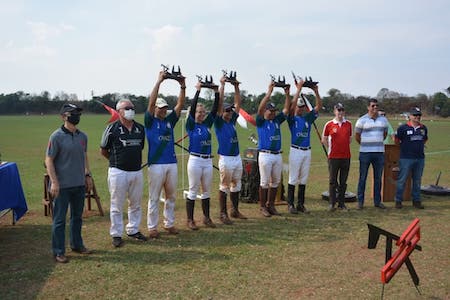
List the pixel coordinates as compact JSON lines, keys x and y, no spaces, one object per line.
{"x":25,"y":260}
{"x":225,"y":242}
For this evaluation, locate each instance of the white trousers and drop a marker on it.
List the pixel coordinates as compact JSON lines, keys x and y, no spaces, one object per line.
{"x":270,"y":167}
{"x":230,"y":168}
{"x":200,"y":173}
{"x":122,"y":184}
{"x":161,"y":176}
{"x":299,"y":163}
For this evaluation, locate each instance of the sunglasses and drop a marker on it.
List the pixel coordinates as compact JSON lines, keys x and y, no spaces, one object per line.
{"x":340,"y":109}
{"x":374,"y":105}
{"x":229,"y":110}
{"x":128,"y":108}
{"x":417,"y":115}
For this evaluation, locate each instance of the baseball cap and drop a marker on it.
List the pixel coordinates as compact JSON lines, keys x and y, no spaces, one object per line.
{"x":339,"y":106}
{"x":271,"y":106}
{"x":160,"y":103}
{"x":68,"y":107}
{"x":415,"y":111}
{"x":228,"y":106}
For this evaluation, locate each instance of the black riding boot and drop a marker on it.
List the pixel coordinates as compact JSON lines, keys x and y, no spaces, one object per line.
{"x":290,"y":199}
{"x":301,"y":199}
{"x":190,"y":204}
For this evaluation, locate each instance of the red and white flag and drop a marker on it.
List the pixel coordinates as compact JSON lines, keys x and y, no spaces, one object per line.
{"x":245,"y":117}
{"x":114,"y":114}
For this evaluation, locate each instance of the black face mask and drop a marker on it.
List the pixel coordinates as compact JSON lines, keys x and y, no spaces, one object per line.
{"x":74,"y":119}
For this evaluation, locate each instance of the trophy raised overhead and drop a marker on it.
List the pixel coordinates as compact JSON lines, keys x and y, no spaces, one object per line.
{"x":279,"y":82}
{"x":231,"y":78}
{"x":309,"y":83}
{"x":208,"y":82}
{"x":175,"y":74}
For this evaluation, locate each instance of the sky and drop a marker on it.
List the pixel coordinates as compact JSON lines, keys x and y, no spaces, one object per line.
{"x":93,"y":47}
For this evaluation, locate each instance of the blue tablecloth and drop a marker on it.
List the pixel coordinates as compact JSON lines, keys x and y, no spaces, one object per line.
{"x":11,"y":192}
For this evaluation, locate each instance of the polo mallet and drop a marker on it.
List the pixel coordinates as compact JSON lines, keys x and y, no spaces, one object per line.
{"x":187,"y":150}
{"x":315,"y":126}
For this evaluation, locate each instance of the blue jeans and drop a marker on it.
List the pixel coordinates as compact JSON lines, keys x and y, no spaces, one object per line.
{"x":74,"y":197}
{"x":377,"y":161}
{"x":415,"y":166}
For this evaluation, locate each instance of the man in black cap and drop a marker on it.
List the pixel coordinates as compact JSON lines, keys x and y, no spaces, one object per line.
{"x":270,"y":161}
{"x":230,"y":163}
{"x":68,"y":168}
{"x":300,"y":120}
{"x":412,"y":137}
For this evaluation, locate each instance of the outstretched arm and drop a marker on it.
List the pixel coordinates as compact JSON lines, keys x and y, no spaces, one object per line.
{"x":154,"y":93}
{"x":237,"y":97}
{"x":216,"y":101}
{"x":181,"y":96}
{"x":262,"y":104}
{"x":198,"y":86}
{"x":287,"y":100}
{"x":221,"y":95}
{"x":299,"y":86}
{"x":318,"y":106}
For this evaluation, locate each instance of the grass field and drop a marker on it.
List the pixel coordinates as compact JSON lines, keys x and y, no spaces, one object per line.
{"x":317,"y":256}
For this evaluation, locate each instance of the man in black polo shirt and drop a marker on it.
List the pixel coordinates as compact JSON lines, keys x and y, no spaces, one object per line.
{"x":412,"y":137}
{"x":122,"y":144}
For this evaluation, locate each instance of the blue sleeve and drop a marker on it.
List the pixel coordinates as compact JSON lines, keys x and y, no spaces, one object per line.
{"x":190,"y":123}
{"x":173,"y":118}
{"x":148,"y":119}
{"x":259,"y":121}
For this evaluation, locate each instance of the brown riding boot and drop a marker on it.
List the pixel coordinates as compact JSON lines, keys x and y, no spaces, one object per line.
{"x":235,"y":213}
{"x":262,"y":202}
{"x":190,"y":214}
{"x":271,"y":207}
{"x":223,"y":208}
{"x":206,"y":218}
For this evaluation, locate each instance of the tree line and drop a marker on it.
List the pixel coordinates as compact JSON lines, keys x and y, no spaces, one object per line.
{"x":393,"y":102}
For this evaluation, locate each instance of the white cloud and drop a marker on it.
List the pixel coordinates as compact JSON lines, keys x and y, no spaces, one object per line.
{"x":42,"y":31}
{"x":164,"y":37}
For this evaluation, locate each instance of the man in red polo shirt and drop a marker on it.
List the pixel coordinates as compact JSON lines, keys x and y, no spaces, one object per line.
{"x":337,"y":136}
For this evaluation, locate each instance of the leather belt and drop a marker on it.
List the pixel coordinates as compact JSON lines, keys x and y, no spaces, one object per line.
{"x":300,"y":148}
{"x":270,"y":151}
{"x":205,"y":156}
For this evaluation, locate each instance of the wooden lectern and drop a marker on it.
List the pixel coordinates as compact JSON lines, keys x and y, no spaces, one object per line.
{"x":390,"y":175}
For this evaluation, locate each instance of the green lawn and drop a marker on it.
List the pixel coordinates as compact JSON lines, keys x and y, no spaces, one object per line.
{"x":318,"y":256}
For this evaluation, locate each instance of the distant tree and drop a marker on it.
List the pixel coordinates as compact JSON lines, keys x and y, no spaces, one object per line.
{"x":441,"y":104}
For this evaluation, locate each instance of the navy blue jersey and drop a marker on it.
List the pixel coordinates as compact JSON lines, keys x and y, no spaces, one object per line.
{"x":300,"y":127}
{"x":269,"y":133}
{"x":227,"y":136}
{"x":161,"y":148}
{"x":200,"y":134}
{"x":412,"y":140}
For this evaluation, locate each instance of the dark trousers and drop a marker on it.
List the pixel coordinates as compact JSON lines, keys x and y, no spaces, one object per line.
{"x":73,"y":197}
{"x":338,"y":168}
